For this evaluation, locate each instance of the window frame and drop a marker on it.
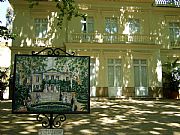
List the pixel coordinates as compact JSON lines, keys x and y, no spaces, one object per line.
{"x":117,"y":80}
{"x":113,"y":22}
{"x":134,"y":26}
{"x":39,"y":28}
{"x":175,"y":29}
{"x":140,"y":65}
{"x":85,"y":24}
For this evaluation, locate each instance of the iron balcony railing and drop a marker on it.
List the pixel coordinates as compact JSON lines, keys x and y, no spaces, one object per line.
{"x":167,"y":3}
{"x":113,"y":38}
{"x":175,"y":44}
{"x":41,"y":42}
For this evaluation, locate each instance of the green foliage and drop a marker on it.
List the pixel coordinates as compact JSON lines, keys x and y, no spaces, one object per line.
{"x":20,"y":95}
{"x":79,"y":71}
{"x":25,"y":66}
{"x":171,"y":75}
{"x":4,"y":31}
{"x":3,"y":79}
{"x":50,"y":107}
{"x":6,"y":34}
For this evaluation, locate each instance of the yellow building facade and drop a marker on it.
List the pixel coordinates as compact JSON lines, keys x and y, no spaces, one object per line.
{"x":127,"y":40}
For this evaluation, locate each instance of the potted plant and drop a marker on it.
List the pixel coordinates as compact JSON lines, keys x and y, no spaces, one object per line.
{"x":171,"y":79}
{"x":3,"y":81}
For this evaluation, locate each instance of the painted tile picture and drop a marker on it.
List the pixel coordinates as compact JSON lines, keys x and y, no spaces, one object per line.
{"x":51,"y":84}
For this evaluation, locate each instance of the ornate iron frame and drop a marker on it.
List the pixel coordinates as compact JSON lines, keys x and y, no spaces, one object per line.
{"x":53,"y":52}
{"x":51,"y":121}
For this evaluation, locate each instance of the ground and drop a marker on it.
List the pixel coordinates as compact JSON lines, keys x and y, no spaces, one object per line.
{"x":107,"y":117}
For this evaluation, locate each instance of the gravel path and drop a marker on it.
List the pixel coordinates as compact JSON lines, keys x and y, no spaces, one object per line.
{"x":107,"y":117}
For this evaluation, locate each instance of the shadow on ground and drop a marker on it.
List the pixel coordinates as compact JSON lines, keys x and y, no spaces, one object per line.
{"x":107,"y":117}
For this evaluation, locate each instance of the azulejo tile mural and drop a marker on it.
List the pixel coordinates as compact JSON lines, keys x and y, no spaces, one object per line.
{"x":51,"y":84}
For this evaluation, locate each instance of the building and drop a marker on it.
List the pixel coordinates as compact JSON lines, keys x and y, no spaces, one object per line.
{"x":128,"y":41}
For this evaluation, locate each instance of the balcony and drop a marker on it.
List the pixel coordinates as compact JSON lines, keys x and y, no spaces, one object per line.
{"x":175,"y":44}
{"x":41,"y":42}
{"x":114,"y":38}
{"x":166,"y":3}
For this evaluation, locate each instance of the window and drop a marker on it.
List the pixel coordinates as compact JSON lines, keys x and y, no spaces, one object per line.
{"x":52,"y":87}
{"x":174,"y":28}
{"x":52,"y":77}
{"x":37,"y":87}
{"x":57,"y":77}
{"x":93,"y":73}
{"x":87,"y":25}
{"x":114,"y":73}
{"x":140,"y":77}
{"x":111,"y":25}
{"x":88,"y":28}
{"x":37,"y":78}
{"x":58,"y":88}
{"x":40,"y":27}
{"x":47,"y":77}
{"x":111,"y":29}
{"x":133,"y":26}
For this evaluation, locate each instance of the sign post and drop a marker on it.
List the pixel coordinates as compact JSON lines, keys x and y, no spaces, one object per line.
{"x":51,"y":83}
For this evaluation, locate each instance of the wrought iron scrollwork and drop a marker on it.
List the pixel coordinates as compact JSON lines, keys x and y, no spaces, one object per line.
{"x":49,"y":121}
{"x":52,"y":120}
{"x":53,"y":52}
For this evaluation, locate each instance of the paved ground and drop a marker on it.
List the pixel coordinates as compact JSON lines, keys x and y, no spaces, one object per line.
{"x":108,"y":117}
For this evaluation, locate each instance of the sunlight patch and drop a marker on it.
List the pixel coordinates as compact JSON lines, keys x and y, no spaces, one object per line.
{"x":22,"y":122}
{"x":85,"y":121}
{"x":5,"y":122}
{"x":101,"y":114}
{"x":168,"y":112}
{"x":6,"y":109}
{"x":177,"y":114}
{"x":174,"y":124}
{"x":142,"y":112}
{"x":120,"y":117}
{"x":154,"y":132}
{"x":31,"y":118}
{"x":88,"y":131}
{"x":159,"y":129}
{"x":106,"y":120}
{"x":173,"y":106}
{"x":104,"y":106}
{"x":32,"y":130}
{"x":29,"y":127}
{"x":24,"y":132}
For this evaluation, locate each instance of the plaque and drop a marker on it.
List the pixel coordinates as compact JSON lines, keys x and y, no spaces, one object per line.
{"x":50,"y":132}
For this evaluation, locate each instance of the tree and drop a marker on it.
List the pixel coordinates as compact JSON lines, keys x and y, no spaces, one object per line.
{"x":66,"y":9}
{"x":25,"y":66}
{"x":171,"y":78}
{"x":3,"y":81}
{"x":4,"y":31}
{"x":78,"y":68}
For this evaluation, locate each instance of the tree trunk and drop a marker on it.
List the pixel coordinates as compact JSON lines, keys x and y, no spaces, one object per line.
{"x":1,"y":95}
